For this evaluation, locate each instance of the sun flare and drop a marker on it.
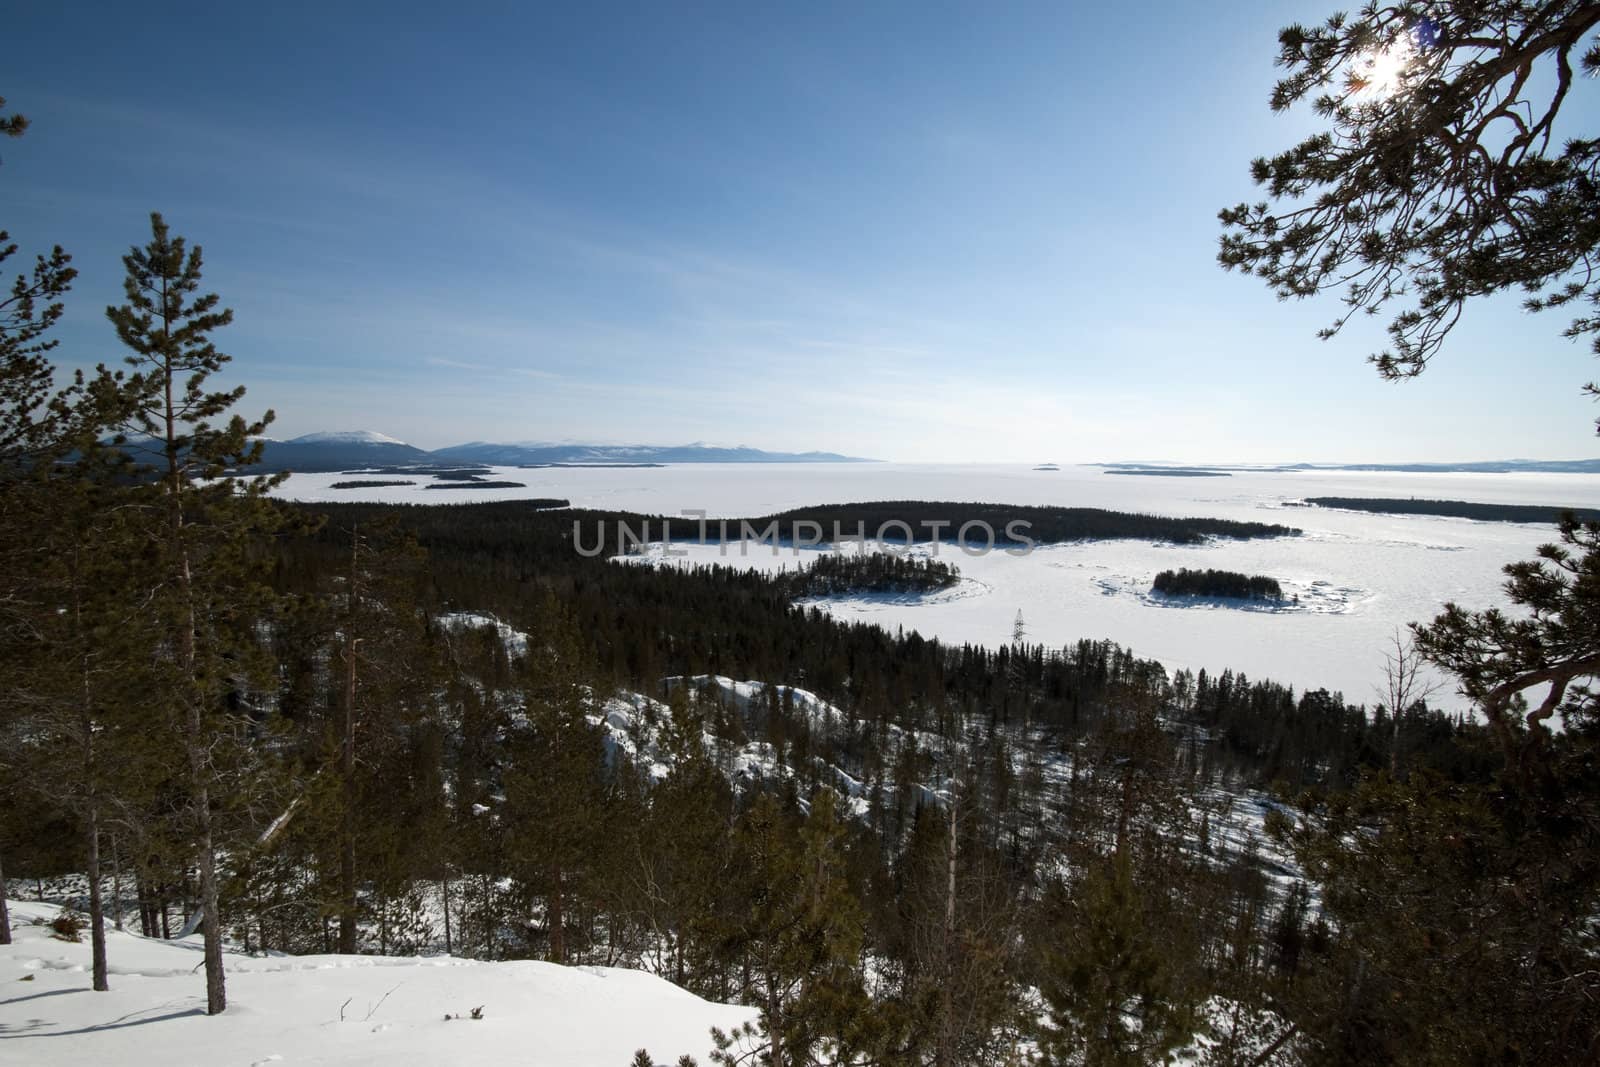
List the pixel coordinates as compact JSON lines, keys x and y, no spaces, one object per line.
{"x":1379,"y":75}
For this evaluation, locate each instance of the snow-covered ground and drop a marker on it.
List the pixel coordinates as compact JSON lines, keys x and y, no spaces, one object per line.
{"x":1380,"y":571}
{"x":345,"y":1010}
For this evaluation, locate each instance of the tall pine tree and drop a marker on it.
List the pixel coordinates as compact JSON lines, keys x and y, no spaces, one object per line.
{"x":205,"y":529}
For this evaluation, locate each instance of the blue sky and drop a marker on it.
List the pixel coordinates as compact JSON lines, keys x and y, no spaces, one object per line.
{"x":914,"y":232}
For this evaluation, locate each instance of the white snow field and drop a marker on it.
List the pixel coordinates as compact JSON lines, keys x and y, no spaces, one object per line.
{"x":287,"y":1009}
{"x":1359,"y":576}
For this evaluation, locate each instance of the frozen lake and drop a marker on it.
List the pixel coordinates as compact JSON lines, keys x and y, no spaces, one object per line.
{"x":1359,"y":575}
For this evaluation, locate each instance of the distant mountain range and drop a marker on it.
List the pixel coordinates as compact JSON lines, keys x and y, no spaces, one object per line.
{"x":1490,"y":466}
{"x":346,"y":450}
{"x":1502,"y":466}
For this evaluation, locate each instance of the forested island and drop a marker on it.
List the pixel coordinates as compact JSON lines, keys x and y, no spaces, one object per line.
{"x":468,"y":474}
{"x":422,"y":469}
{"x":933,"y":520}
{"x":376,"y":483}
{"x":1209,"y":582}
{"x":842,"y":574}
{"x":588,"y":466}
{"x":1171,"y":472}
{"x":1456,"y":509}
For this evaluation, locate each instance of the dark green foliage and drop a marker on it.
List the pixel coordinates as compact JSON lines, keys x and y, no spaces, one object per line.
{"x":843,"y":574}
{"x":367,"y":484}
{"x":1460,"y":509}
{"x":1209,"y":582}
{"x":12,"y":125}
{"x":205,"y":570}
{"x":67,"y":678}
{"x":1445,"y":187}
{"x":421,"y":469}
{"x":681,"y":861}
{"x":800,"y":934}
{"x":933,"y":520}
{"x":1461,"y":924}
{"x":948,"y":924}
{"x":463,"y":474}
{"x":642,"y":1058}
{"x":555,"y":778}
{"x":36,"y":424}
{"x":1554,"y":643}
{"x":1111,"y":981}
{"x":1462,"y":910}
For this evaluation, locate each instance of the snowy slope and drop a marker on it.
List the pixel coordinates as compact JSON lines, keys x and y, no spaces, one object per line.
{"x":286,"y":1009}
{"x":345,"y":437}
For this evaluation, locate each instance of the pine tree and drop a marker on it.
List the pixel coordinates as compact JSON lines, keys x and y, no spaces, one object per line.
{"x":1459,"y":923}
{"x":1110,"y":982}
{"x":555,"y":778}
{"x":803,"y":932}
{"x":682,"y":870}
{"x":1552,"y":650}
{"x":83,"y":674}
{"x":55,"y":586}
{"x":31,"y":418}
{"x":1441,"y":187}
{"x":389,"y":677}
{"x":206,"y":528}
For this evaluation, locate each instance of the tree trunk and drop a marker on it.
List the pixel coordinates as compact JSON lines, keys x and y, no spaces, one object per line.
{"x":1394,"y":746}
{"x":97,"y":914}
{"x":347,"y":764}
{"x":193,"y":692}
{"x":200,"y":783}
{"x":774,"y":1023}
{"x":556,"y":918}
{"x":347,"y":837}
{"x":116,"y":884}
{"x":1124,"y":810}
{"x":211,"y":921}
{"x":91,"y":774}
{"x":141,"y":894}
{"x":445,"y":887}
{"x":945,"y":1052}
{"x":5,"y":912}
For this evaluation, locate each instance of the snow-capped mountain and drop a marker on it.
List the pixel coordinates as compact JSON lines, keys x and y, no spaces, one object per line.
{"x":346,"y":437}
{"x":338,"y":450}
